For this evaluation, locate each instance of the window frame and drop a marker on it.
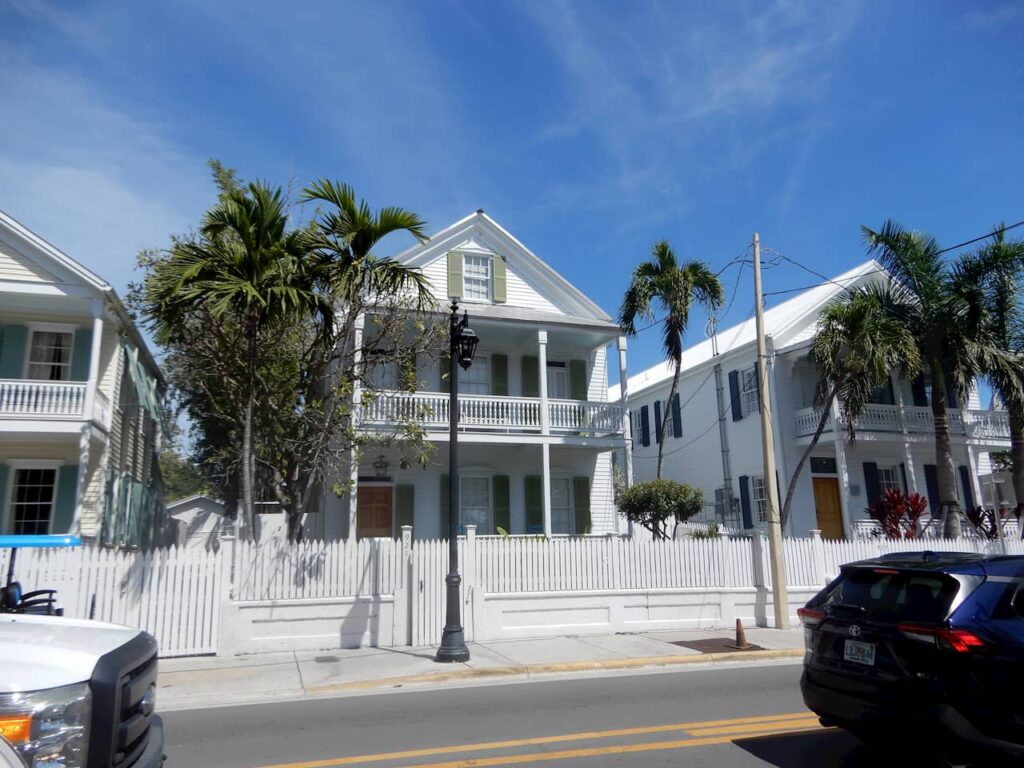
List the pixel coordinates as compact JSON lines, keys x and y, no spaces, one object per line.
{"x":561,"y":370}
{"x":463,"y":477}
{"x":571,"y":495}
{"x":884,"y":483}
{"x":486,"y":260}
{"x":61,"y":328}
{"x":481,"y":366}
{"x":749,"y":388}
{"x":7,"y":518}
{"x":759,"y":501}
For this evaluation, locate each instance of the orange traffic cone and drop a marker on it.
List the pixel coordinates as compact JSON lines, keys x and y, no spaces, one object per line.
{"x":741,"y":636}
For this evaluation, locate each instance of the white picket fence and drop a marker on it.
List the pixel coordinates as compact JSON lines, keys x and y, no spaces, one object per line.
{"x":258,"y":597}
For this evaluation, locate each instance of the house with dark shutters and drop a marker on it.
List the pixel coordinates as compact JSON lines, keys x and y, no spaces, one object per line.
{"x":713,"y":441}
{"x":80,"y":402}
{"x":536,"y":428}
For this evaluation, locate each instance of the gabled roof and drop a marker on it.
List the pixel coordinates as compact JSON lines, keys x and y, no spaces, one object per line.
{"x":783,"y":323}
{"x":61,"y":265}
{"x":485,"y":233}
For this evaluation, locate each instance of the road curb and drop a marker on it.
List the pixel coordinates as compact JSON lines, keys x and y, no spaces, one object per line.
{"x":528,"y":670}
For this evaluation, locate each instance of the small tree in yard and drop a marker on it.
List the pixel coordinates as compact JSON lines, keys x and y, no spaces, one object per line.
{"x":899,"y":514}
{"x":654,"y":504}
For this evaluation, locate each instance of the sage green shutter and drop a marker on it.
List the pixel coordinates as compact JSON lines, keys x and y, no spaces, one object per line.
{"x":13,"y":339}
{"x":534,"y":504}
{"x":455,"y":283}
{"x":502,"y":509}
{"x":405,"y":496}
{"x":81,"y":350}
{"x":500,"y":279}
{"x":531,"y":377}
{"x":444,"y":507}
{"x":581,"y":500}
{"x":64,"y":506}
{"x":499,"y":375}
{"x":578,"y":379}
{"x":4,"y":473}
{"x":446,"y":369}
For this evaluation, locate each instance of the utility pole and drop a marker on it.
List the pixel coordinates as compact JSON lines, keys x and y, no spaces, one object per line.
{"x":780,"y":594}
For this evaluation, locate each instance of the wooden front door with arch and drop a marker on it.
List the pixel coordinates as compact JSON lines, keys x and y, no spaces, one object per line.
{"x":374,"y":511}
{"x":826,"y":505}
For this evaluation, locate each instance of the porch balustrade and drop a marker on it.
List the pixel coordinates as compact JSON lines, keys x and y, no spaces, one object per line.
{"x":41,"y":399}
{"x":494,"y":413}
{"x":888,"y":418}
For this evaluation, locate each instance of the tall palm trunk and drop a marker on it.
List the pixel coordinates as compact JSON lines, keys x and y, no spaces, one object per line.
{"x":949,"y":507}
{"x":1017,"y":463}
{"x":664,"y":417}
{"x":248,"y":465}
{"x":838,"y":435}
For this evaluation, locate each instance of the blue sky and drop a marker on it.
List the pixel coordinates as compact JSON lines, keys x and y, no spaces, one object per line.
{"x":588,"y":129}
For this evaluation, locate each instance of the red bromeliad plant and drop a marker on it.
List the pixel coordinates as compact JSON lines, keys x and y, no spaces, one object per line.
{"x":984,"y":521}
{"x":898,"y":514}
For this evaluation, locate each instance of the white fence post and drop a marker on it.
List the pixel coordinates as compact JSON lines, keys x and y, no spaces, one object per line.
{"x":403,"y":595}
{"x":818,"y":550}
{"x":470,"y":584}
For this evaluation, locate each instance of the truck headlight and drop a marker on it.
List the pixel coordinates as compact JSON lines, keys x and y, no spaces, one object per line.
{"x":49,"y":729}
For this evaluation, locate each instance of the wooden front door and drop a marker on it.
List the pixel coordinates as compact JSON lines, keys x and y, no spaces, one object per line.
{"x":826,"y":504}
{"x":373,"y":512}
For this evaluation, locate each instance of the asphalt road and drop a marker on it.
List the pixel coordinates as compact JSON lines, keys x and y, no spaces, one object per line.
{"x":736,"y":717}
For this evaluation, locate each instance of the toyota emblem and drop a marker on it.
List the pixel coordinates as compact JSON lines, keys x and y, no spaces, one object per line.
{"x":854,"y":630}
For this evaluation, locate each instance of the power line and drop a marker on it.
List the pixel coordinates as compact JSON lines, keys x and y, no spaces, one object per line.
{"x":982,"y":237}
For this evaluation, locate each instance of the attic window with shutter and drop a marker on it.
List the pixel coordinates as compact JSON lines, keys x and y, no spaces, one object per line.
{"x":477,"y":278}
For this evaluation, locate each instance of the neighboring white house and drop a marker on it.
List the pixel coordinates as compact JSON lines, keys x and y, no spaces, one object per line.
{"x":80,"y":402}
{"x":537,"y":431}
{"x":713,"y":439}
{"x":198,"y":522}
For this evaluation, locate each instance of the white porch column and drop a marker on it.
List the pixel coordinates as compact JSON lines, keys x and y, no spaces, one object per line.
{"x":357,"y":391}
{"x":908,"y":457}
{"x":627,"y":427}
{"x":545,"y":426}
{"x":94,"y":359}
{"x":842,"y":470}
{"x":972,"y":468}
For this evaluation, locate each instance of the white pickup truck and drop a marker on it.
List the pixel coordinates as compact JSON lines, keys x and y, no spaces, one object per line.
{"x":78,"y":694}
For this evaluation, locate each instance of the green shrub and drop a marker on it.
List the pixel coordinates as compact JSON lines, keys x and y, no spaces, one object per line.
{"x":658,"y":503}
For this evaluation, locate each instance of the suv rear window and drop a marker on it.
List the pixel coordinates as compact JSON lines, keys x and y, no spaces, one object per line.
{"x":892,"y":596}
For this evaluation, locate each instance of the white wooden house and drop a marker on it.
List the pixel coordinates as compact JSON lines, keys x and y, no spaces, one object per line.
{"x":537,"y":431}
{"x":713,"y":437}
{"x":80,"y":401}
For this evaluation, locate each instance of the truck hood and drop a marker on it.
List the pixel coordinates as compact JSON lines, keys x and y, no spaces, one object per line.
{"x":38,"y":652}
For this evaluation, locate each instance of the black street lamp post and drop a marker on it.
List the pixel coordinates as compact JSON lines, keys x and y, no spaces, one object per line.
{"x":462,"y":346}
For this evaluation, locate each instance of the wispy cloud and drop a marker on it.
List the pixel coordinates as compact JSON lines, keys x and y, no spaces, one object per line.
{"x":994,"y":18}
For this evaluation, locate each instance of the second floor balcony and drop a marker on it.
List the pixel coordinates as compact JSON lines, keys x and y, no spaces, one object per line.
{"x":973,"y":424}
{"x":491,"y":413}
{"x":50,"y":400}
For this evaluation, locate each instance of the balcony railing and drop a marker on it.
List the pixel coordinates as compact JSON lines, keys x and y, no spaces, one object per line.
{"x":24,"y":398}
{"x":888,"y":418}
{"x":489,"y":413}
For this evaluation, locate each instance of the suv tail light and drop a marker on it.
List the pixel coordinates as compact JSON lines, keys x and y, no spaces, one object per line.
{"x":959,"y":640}
{"x":810,"y":617}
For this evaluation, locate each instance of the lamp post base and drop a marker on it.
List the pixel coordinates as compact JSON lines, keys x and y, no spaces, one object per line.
{"x":453,"y":646}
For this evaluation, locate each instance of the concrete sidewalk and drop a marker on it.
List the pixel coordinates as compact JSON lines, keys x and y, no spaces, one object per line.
{"x":207,"y":681}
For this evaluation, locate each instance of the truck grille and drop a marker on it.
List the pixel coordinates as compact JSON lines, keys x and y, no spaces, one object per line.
{"x":124,"y":690}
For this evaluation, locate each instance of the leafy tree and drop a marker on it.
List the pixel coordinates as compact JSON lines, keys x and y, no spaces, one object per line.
{"x":182,"y":478}
{"x":943,"y":304}
{"x":245,"y":266}
{"x":857,"y":346}
{"x":665,"y":284}
{"x":656,"y":503}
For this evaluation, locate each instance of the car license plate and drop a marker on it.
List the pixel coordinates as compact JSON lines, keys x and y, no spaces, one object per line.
{"x":860,"y":653}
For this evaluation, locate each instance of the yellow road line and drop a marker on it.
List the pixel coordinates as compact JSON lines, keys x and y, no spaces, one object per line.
{"x":769,"y":721}
{"x":736,"y":730}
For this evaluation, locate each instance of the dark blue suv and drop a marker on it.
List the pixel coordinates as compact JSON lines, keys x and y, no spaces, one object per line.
{"x":922,"y":648}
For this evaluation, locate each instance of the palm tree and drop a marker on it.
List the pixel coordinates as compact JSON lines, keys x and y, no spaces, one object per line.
{"x":672,"y":287}
{"x":857,"y":347}
{"x":345,"y":238}
{"x":1004,"y":294}
{"x":943,"y":305}
{"x":245,"y":266}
